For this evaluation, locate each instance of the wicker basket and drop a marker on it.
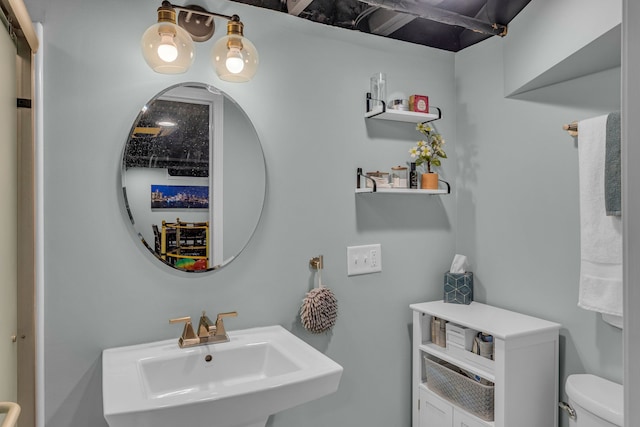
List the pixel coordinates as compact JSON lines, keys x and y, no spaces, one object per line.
{"x":443,"y":379}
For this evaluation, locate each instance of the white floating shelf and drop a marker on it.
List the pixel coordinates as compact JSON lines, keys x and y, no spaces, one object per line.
{"x":400,"y":115}
{"x":401,"y":191}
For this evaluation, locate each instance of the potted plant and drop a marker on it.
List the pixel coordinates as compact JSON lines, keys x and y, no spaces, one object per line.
{"x":428,"y":151}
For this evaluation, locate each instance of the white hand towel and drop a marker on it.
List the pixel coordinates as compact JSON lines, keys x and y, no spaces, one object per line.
{"x":600,"y":235}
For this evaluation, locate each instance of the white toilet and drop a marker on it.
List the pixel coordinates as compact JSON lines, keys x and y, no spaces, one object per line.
{"x":597,"y":402}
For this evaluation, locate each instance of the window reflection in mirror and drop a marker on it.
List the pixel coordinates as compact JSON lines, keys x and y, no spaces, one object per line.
{"x":193,"y":177}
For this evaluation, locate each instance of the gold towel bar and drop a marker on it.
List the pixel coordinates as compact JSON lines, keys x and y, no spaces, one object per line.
{"x":572,"y":128}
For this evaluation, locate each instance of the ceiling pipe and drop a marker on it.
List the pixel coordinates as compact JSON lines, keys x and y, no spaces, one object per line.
{"x":432,"y":13}
{"x":385,"y":21}
{"x":296,"y":7}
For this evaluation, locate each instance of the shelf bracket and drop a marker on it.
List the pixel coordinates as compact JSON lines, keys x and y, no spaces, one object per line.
{"x":369,"y":99}
{"x":437,"y":118}
{"x":365,"y":176}
{"x":447,"y":184}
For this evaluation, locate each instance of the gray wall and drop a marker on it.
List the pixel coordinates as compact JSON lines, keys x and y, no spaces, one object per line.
{"x":307,"y":103}
{"x":517,"y":197}
{"x":543,"y":46}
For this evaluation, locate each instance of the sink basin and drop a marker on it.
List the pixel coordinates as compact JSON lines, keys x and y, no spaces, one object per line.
{"x":259,"y":372}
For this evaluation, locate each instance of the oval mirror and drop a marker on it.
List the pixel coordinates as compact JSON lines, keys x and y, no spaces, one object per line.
{"x":193,"y":177}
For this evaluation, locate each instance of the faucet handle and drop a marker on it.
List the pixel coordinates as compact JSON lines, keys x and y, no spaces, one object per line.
{"x":206,"y":326}
{"x":188,"y":336}
{"x":220,"y":323}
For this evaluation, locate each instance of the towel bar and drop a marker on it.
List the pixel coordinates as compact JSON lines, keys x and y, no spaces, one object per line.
{"x":12,"y":410}
{"x":572,"y":128}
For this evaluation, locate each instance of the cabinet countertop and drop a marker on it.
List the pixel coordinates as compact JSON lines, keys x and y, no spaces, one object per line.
{"x":500,"y":323}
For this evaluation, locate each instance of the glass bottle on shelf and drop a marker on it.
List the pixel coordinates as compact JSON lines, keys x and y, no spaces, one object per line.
{"x":413,"y":176}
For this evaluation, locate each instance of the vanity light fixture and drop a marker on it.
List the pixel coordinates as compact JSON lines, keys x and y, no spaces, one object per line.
{"x":167,"y":46}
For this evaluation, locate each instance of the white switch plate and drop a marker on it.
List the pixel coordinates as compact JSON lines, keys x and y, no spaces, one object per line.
{"x":364,"y":259}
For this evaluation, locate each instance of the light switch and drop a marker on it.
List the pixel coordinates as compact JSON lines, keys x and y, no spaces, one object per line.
{"x":364,"y":259}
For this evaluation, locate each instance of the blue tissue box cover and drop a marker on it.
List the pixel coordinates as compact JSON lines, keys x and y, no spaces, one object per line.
{"x":458,"y":287}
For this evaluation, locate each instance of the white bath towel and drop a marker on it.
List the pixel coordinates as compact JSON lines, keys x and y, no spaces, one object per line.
{"x":600,"y":235}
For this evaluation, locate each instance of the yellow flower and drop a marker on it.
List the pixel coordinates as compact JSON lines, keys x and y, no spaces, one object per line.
{"x":428,"y":151}
{"x":423,"y":127}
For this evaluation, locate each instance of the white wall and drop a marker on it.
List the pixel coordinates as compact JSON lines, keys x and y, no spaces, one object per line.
{"x":307,"y":104}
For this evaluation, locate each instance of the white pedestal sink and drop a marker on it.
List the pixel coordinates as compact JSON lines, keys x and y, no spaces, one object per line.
{"x":259,"y":372}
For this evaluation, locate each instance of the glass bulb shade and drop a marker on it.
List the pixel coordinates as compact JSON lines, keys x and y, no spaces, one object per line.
{"x":167,"y":48}
{"x":226,"y":60}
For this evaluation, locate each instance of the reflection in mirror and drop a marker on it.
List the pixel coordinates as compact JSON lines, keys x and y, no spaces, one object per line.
{"x":193,"y":177}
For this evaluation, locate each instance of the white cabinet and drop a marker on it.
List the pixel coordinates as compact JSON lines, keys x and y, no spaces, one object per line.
{"x":434,"y":412}
{"x":462,"y":419}
{"x":523,"y":372}
{"x":437,"y":412}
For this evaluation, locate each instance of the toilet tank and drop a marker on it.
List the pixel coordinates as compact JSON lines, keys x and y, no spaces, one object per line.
{"x":597,"y":401}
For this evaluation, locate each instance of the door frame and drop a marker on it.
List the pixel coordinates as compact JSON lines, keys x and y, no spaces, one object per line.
{"x":26,"y":332}
{"x":26,"y":335}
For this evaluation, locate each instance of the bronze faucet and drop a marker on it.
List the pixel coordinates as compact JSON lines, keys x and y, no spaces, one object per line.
{"x":208,"y":333}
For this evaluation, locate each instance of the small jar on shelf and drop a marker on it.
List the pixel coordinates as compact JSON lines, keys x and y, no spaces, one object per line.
{"x":381,"y":179}
{"x":399,"y":177}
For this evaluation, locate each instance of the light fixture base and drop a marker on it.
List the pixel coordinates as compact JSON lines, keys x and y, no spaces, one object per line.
{"x":198,"y":25}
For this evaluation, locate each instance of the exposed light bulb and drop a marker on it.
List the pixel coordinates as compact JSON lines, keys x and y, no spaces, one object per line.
{"x":235,"y":60}
{"x":167,"y":49}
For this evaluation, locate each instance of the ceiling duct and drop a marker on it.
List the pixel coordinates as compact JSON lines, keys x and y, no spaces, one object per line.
{"x":451,"y":25}
{"x":432,"y":13}
{"x":295,"y":7}
{"x":385,"y":21}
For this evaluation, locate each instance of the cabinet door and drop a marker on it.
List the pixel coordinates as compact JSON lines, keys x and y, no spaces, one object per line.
{"x":461,"y":419}
{"x":434,"y":411}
